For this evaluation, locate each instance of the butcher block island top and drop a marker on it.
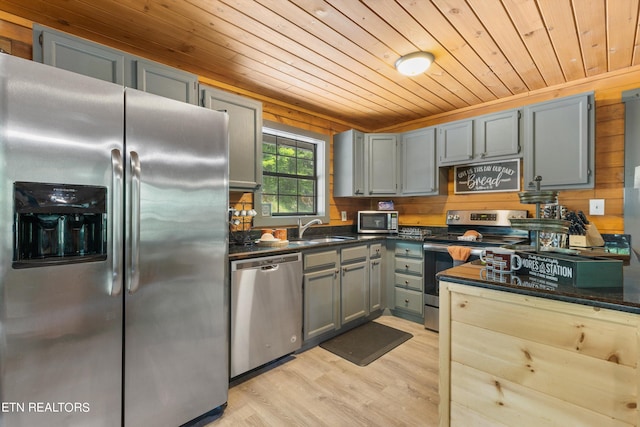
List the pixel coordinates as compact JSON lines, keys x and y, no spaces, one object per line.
{"x":520,"y":354}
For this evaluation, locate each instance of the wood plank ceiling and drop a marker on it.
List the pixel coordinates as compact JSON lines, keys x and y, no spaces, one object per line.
{"x":336,"y":57}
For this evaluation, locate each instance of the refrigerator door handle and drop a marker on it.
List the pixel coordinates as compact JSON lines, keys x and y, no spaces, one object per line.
{"x":117,"y":175}
{"x":133,"y":278}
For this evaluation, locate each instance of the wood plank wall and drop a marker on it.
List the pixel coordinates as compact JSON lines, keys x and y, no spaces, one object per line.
{"x":15,"y":37}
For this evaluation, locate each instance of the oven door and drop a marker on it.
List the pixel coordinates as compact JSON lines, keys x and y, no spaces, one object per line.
{"x":436,"y":259}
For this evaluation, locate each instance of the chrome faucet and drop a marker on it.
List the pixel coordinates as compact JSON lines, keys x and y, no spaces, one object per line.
{"x":302,"y":228}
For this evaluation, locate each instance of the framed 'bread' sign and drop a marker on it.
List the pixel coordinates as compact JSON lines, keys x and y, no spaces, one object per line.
{"x":490,"y":177}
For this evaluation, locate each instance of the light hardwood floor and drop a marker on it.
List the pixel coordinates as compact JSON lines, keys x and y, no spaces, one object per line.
{"x":318,"y":388}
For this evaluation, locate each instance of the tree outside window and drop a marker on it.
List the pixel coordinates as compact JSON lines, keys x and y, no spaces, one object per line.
{"x":289,"y":175}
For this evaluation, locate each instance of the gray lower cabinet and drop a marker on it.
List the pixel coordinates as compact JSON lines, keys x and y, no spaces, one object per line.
{"x":382,"y":165}
{"x":245,"y":136}
{"x":321,"y":285}
{"x":420,"y":173}
{"x":81,"y":56}
{"x":341,"y":286}
{"x":559,"y":143}
{"x":408,"y":279}
{"x":349,"y":170}
{"x":354,"y":283}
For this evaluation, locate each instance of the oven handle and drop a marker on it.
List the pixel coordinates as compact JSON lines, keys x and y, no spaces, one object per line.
{"x":437,"y":247}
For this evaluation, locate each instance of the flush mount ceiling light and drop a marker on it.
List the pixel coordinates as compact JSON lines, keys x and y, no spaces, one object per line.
{"x":414,"y":63}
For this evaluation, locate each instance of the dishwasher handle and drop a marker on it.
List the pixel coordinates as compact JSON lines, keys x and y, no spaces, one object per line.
{"x":270,"y":268}
{"x":266,"y":263}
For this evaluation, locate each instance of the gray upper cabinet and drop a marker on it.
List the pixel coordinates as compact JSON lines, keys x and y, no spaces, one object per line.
{"x":420,"y":174}
{"x":497,"y":135}
{"x":349,"y":171}
{"x":560,"y":142}
{"x":245,"y":136}
{"x":165,"y":81}
{"x":80,"y":56}
{"x":95,"y":60}
{"x":382,"y":164}
{"x":455,"y":142}
{"x":490,"y":137}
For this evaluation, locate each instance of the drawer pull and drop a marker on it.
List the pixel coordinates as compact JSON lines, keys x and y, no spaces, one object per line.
{"x":406,"y":282}
{"x":406,"y":301}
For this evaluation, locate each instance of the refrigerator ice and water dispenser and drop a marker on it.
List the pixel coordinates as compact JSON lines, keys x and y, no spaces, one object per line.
{"x":58,"y":224}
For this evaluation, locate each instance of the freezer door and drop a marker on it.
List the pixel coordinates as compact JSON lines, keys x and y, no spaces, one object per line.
{"x":176,"y":309}
{"x":60,"y":324}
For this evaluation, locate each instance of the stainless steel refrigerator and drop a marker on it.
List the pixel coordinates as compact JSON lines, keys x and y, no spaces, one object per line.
{"x":113,"y":274}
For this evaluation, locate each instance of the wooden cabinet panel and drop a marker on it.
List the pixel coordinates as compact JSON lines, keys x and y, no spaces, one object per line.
{"x":531,"y":361}
{"x":604,"y":385}
{"x":571,"y":327}
{"x":514,"y":404}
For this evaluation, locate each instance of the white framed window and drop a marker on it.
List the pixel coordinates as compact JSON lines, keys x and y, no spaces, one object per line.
{"x":295,"y":176}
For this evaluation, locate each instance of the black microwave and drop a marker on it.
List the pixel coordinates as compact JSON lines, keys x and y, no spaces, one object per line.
{"x":378,"y":222}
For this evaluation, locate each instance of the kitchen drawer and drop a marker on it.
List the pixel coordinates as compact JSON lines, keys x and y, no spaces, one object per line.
{"x":409,"y":300}
{"x":409,"y":266}
{"x":375,"y":250}
{"x":409,"y":249}
{"x":315,"y":260}
{"x":409,"y":282}
{"x":354,"y":253}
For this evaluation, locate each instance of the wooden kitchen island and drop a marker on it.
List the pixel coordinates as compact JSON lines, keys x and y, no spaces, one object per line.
{"x":530,"y":354}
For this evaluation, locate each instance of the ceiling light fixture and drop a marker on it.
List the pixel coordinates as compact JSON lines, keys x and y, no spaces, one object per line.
{"x":414,"y":63}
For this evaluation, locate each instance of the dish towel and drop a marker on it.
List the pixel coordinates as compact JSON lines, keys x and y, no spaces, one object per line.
{"x":460,"y":254}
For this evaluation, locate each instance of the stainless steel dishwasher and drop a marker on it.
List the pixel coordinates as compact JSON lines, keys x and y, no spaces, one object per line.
{"x":266,"y":310}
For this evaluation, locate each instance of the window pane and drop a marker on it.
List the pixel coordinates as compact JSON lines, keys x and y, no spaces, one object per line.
{"x":269,"y":163}
{"x":269,"y":144}
{"x":306,"y":205}
{"x":306,"y":151}
{"x":288,"y":204}
{"x":287,"y":165}
{"x":270,"y":184}
{"x":306,"y":187}
{"x":289,"y":174}
{"x":288,"y":186}
{"x":306,"y":168}
{"x":286,"y":147}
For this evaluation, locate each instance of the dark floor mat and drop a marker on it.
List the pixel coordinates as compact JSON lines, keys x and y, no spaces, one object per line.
{"x":364,"y":344}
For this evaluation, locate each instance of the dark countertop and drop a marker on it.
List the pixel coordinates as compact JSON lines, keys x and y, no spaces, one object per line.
{"x":238,"y":252}
{"x":623,"y":296}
